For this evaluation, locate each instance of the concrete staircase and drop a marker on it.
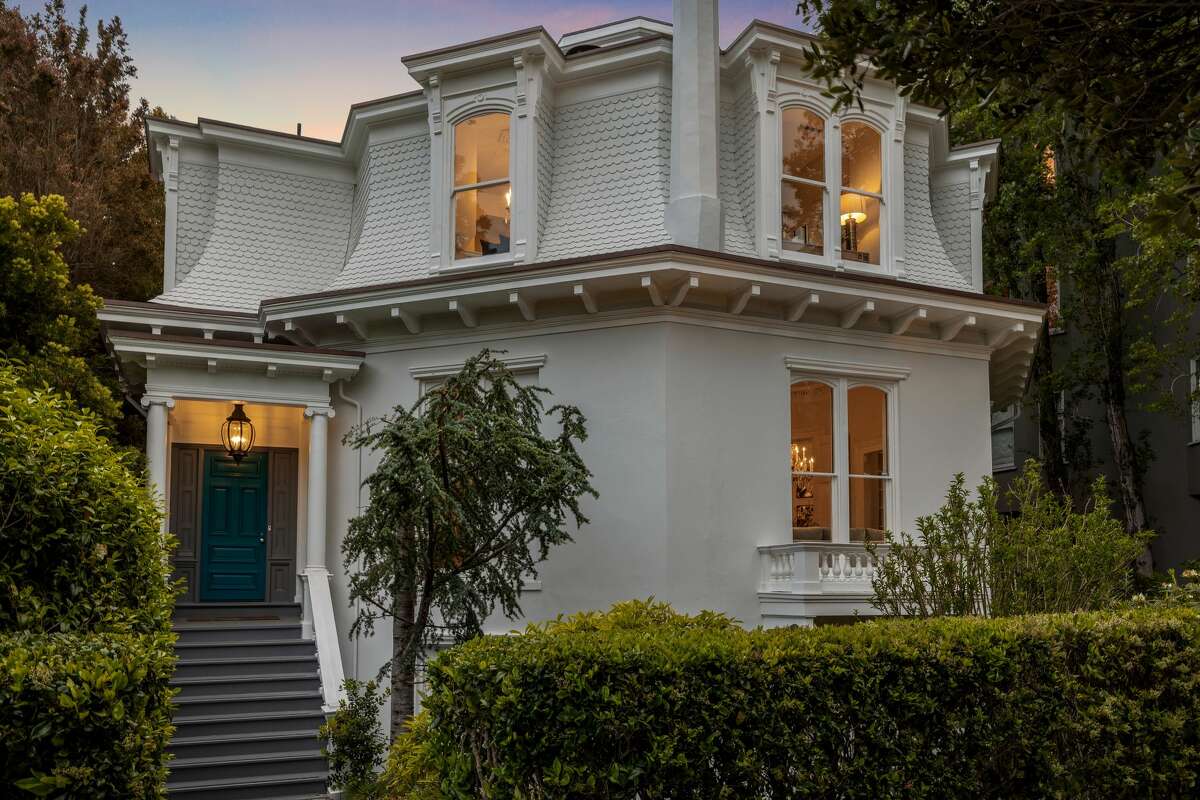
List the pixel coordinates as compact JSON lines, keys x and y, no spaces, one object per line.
{"x":249,"y":705}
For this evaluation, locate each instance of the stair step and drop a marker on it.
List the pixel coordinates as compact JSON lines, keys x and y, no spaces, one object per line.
{"x":247,"y":685}
{"x":247,"y":724}
{"x":294,"y":787}
{"x":246,"y":704}
{"x":256,"y":767}
{"x":228,"y":746}
{"x":249,"y":630}
{"x":209,"y":612}
{"x":242,"y":667}
{"x":251,"y":649}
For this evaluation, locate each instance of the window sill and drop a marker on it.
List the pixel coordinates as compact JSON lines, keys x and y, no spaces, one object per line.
{"x":804,"y":259}
{"x":1003,"y":468}
{"x":497,"y":260}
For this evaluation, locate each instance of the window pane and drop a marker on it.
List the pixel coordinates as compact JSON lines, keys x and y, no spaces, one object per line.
{"x":862,"y":167}
{"x":1003,"y":447}
{"x":803,"y":144}
{"x":866,"y":407}
{"x":803,"y":217}
{"x":812,"y":427}
{"x":812,"y":508}
{"x":481,"y":149}
{"x":859,"y":219}
{"x":868,"y":509}
{"x":481,"y":221}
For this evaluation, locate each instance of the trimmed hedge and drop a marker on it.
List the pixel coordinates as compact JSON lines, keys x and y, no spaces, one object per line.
{"x":85,"y":715}
{"x":86,"y":649}
{"x":645,"y":703}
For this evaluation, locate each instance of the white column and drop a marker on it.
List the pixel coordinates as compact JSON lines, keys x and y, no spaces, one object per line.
{"x":157,"y":407}
{"x":318,"y":460}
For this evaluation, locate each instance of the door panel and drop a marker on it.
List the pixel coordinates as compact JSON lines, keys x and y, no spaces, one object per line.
{"x":234,"y":528}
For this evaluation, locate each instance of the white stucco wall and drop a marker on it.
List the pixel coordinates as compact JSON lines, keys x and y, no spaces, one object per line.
{"x":689,"y":431}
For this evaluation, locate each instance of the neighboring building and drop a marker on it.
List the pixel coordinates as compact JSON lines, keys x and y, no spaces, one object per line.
{"x":771,"y":315}
{"x":1171,"y":485}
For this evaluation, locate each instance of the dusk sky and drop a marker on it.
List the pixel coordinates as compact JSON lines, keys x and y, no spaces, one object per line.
{"x":273,"y":63}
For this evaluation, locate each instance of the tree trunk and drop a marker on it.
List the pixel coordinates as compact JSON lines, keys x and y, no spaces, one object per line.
{"x":1128,"y":476}
{"x":1054,"y":465}
{"x":404,"y":662}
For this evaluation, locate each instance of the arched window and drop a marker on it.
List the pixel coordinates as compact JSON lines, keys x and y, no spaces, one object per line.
{"x":802,"y":189}
{"x":840,"y":495}
{"x":482,"y":193}
{"x":862,"y":192}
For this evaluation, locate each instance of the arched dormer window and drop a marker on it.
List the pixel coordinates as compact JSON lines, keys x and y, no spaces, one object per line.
{"x":802,"y":189}
{"x":859,"y":215}
{"x":482,"y":192}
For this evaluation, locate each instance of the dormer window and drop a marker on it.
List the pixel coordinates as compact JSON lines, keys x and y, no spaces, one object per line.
{"x":862,"y":193}
{"x":802,"y":190}
{"x":482,"y":193}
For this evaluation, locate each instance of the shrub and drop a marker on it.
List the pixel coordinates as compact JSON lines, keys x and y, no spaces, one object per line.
{"x":84,"y":715}
{"x":1101,"y":704}
{"x":354,"y":740}
{"x":1047,"y":557}
{"x":80,"y":542}
{"x":85,"y":608}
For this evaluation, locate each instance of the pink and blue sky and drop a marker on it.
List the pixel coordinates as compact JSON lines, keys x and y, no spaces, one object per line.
{"x":273,"y":63}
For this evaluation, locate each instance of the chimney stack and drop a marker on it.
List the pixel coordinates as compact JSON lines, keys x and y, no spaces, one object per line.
{"x":694,"y":216}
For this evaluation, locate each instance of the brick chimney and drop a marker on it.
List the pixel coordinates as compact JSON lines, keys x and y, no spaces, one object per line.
{"x":694,"y":216}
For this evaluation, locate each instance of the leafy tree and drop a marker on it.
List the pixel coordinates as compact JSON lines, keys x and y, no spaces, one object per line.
{"x":1121,"y":71}
{"x":68,"y":127}
{"x":45,"y":320}
{"x":970,"y":560}
{"x":468,"y":497}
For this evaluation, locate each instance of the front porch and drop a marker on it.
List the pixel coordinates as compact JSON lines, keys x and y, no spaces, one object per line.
{"x":803,"y":582}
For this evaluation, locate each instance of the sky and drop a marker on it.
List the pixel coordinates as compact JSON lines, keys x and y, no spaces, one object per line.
{"x":273,"y":63}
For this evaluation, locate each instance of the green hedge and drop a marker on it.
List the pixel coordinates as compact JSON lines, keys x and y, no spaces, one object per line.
{"x":80,"y":544}
{"x":86,"y":649}
{"x":85,"y":715}
{"x":644,"y":703}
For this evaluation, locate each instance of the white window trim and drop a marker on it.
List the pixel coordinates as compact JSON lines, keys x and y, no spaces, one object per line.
{"x":831,"y":196}
{"x":841,"y":385}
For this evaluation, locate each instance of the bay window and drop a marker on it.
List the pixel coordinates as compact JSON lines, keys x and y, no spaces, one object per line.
{"x":802,"y":188}
{"x":482,"y":191}
{"x":841,"y":460}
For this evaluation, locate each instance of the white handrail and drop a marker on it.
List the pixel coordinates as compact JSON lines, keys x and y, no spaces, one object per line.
{"x":318,"y":610}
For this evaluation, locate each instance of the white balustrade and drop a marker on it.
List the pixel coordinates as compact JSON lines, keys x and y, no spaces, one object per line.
{"x":818,"y":567}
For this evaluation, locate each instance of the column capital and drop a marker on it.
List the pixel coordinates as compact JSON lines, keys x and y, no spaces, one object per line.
{"x":157,"y":400}
{"x":324,"y":411}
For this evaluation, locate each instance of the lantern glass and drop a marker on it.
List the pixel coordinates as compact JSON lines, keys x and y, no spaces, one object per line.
{"x":237,"y":434}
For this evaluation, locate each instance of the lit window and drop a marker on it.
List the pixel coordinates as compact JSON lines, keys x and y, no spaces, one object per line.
{"x":802,"y":191}
{"x":812,"y":461}
{"x":862,"y":193}
{"x":833,"y":501}
{"x":482,"y":193}
{"x":1004,"y":448}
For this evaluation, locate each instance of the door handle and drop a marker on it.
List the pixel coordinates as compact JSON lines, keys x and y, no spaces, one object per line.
{"x":261,"y":538}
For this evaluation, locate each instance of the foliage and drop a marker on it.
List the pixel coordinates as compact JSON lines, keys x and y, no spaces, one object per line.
{"x":411,"y":769}
{"x":86,"y":649}
{"x":68,"y":127}
{"x":1044,"y":558}
{"x":1096,"y":705}
{"x":80,"y":544}
{"x":1117,"y":71}
{"x":45,"y":320}
{"x":85,"y":716}
{"x":468,"y":497}
{"x":354,"y":742}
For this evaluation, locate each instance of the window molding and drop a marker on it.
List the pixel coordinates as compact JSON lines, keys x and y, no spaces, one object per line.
{"x":817,"y":367}
{"x":515,"y":364}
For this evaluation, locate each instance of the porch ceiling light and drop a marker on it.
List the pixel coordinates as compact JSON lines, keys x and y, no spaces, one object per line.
{"x":237,"y":434}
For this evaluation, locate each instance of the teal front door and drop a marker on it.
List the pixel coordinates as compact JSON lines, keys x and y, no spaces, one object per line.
{"x":233,"y":559}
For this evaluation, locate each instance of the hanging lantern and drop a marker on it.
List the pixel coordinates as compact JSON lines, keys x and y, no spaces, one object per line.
{"x":237,"y":434}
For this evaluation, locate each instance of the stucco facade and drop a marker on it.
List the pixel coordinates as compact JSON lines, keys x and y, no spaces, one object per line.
{"x":641,"y":273}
